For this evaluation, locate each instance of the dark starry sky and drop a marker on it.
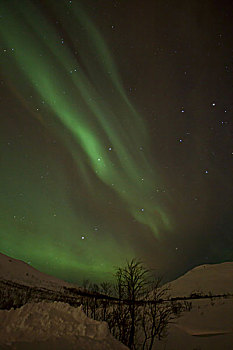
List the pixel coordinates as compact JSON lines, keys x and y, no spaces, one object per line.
{"x":116,"y":134}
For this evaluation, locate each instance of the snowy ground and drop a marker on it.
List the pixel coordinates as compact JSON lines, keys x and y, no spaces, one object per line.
{"x":53,"y":326}
{"x":209,"y":324}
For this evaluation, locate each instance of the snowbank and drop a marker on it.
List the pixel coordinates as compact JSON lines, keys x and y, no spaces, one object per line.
{"x":54,"y":325}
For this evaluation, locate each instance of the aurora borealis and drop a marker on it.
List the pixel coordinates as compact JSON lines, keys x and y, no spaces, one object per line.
{"x":116,"y":135}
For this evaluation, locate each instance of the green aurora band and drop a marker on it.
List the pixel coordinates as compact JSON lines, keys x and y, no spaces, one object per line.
{"x":85,"y":105}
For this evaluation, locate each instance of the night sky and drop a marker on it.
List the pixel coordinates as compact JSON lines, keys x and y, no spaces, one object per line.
{"x":116,"y":137}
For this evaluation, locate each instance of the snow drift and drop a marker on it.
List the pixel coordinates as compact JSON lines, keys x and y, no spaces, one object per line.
{"x":54,"y":325}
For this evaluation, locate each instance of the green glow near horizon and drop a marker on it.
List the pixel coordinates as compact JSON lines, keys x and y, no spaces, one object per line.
{"x":104,"y":124}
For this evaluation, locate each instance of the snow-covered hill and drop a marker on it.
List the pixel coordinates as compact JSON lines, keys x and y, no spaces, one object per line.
{"x":209,"y":324}
{"x":20,"y":272}
{"x":214,"y":278}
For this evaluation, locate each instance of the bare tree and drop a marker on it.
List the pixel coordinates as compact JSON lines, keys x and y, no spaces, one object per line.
{"x":158,"y":312}
{"x":142,"y":309}
{"x":132,"y":283}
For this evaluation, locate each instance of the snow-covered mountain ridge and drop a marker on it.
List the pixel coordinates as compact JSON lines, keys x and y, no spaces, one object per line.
{"x":20,"y":272}
{"x":214,"y":278}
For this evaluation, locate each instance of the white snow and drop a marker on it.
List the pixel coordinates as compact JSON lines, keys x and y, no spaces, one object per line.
{"x":214,"y":278}
{"x":41,"y":326}
{"x":20,"y":272}
{"x":209,"y":324}
{"x":53,"y":325}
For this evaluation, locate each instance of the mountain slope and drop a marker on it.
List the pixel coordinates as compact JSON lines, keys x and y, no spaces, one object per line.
{"x":208,"y":325}
{"x":18,"y":271}
{"x":214,"y":278}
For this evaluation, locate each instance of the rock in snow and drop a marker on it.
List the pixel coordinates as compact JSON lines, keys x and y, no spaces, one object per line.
{"x":52,"y":326}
